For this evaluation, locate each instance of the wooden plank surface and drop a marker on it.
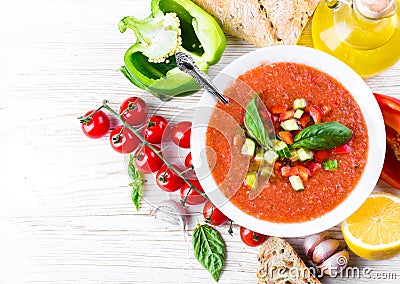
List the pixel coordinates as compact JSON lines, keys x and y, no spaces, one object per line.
{"x":65,"y":209}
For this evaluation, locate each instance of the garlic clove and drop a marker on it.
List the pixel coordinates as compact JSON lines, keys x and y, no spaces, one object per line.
{"x":324,"y":250}
{"x":311,"y":242}
{"x":335,"y":264}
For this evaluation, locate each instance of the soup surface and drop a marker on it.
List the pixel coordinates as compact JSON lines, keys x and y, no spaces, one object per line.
{"x":280,"y":84}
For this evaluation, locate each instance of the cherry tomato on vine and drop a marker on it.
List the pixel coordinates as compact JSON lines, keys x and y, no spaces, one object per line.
{"x":168,"y":180}
{"x":189,"y":161}
{"x":213,"y":215}
{"x":98,"y":125}
{"x":251,"y":238}
{"x":193,"y":197}
{"x":181,"y":134}
{"x":156,"y":130}
{"x":146,"y":161}
{"x":138,"y":114}
{"x":123,"y":141}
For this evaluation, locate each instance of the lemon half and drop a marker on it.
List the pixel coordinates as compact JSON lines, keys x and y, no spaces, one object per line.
{"x":373,"y":231}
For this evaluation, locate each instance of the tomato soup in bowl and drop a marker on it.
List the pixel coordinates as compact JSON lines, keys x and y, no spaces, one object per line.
{"x":299,"y":147}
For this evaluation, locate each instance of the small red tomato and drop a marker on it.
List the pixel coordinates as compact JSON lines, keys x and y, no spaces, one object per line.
{"x":147,"y":161}
{"x":138,"y":114}
{"x":193,"y":197}
{"x":181,"y":134}
{"x":213,"y":215}
{"x":98,"y":125}
{"x":251,"y":238}
{"x":189,"y":161}
{"x":168,"y":180}
{"x":123,"y":142}
{"x":156,"y":130}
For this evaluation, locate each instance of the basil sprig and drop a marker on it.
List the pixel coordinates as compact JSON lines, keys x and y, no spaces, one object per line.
{"x":209,"y":249}
{"x":254,"y":123}
{"x":136,"y":183}
{"x":322,"y":136}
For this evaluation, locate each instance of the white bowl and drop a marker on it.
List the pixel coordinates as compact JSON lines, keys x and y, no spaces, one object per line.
{"x":351,"y":81}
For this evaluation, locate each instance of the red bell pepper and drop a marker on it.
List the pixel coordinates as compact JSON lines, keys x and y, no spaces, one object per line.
{"x":342,"y":149}
{"x":303,"y":173}
{"x":287,"y":114}
{"x":286,"y":137}
{"x":288,"y":171}
{"x":305,"y":120}
{"x":315,"y":113}
{"x":313,"y":167}
{"x":321,"y":156}
{"x":390,"y":108}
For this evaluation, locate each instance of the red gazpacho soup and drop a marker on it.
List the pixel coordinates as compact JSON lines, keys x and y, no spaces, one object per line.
{"x":308,"y":178}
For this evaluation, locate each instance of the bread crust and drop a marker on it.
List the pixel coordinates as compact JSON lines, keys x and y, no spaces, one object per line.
{"x":262,"y":22}
{"x":280,"y":264}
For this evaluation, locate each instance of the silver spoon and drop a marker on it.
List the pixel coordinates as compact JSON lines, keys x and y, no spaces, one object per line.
{"x":186,"y":64}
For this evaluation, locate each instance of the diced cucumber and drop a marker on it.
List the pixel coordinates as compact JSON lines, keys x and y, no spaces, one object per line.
{"x":251,"y":180}
{"x":331,"y":165}
{"x":294,"y":156}
{"x":282,"y":149}
{"x":296,"y":183}
{"x":270,"y":157}
{"x":249,"y":147}
{"x":299,"y":103}
{"x":304,"y":154}
{"x":298,"y":113}
{"x":290,"y":124}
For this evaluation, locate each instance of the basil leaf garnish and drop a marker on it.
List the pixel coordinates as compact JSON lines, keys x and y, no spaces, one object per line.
{"x":322,"y":136}
{"x":254,"y":123}
{"x":136,"y":183}
{"x":209,"y":249}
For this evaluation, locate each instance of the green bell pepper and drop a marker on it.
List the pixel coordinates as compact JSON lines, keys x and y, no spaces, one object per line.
{"x":174,"y":25}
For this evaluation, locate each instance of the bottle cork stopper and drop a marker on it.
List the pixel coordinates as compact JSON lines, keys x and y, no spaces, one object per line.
{"x":375,"y":9}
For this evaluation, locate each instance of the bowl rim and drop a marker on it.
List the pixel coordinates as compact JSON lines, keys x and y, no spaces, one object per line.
{"x":362,"y":95}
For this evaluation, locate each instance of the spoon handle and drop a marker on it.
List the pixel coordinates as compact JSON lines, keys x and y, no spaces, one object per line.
{"x":186,"y":64}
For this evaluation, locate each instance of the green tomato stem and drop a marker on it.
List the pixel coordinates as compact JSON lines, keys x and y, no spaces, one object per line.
{"x":158,"y":153}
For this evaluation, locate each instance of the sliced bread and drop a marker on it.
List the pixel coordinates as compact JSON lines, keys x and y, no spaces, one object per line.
{"x":262,"y":22}
{"x":280,"y":264}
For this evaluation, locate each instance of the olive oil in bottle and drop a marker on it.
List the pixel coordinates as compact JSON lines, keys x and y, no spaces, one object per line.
{"x":365,"y":34}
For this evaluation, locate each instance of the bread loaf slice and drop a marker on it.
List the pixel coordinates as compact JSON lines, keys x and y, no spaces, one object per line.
{"x":280,"y":264}
{"x":262,"y":22}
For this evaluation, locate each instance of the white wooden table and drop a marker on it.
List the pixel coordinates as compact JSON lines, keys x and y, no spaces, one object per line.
{"x":65,"y":209}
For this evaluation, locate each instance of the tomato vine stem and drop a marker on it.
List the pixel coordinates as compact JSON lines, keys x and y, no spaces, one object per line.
{"x":149,"y":145}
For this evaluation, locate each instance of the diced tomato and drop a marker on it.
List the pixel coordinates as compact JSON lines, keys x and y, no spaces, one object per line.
{"x":303,"y":173}
{"x":313,"y":167}
{"x":274,"y":118}
{"x":325,"y":109}
{"x":278,"y":109}
{"x":277,"y":167}
{"x":321,"y":156}
{"x":286,"y":137}
{"x":315,"y":113}
{"x":288,"y":171}
{"x":343,"y":149}
{"x":305,"y":120}
{"x":288,"y":114}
